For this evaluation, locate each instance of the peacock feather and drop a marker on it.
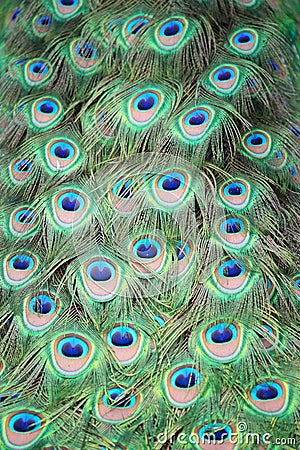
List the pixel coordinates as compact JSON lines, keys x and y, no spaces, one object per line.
{"x":149,"y":225}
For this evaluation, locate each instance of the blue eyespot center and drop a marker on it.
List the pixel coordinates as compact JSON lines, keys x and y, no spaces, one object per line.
{"x":46,"y":108}
{"x":20,"y":61}
{"x":232,"y":226}
{"x":180,"y":253}
{"x":146,"y":103}
{"x":292,"y":171}
{"x":26,"y":216}
{"x":24,"y":166}
{"x":215,"y":432}
{"x":220,"y":435}
{"x":44,"y":21}
{"x":274,"y":65}
{"x":23,"y":425}
{"x":85,"y":50}
{"x":243,"y":38}
{"x":185,"y":378}
{"x":122,"y":339}
{"x":232,"y":269}
{"x":72,"y":351}
{"x":62,"y":152}
{"x":8,"y":395}
{"x":221,"y":335}
{"x":99,"y":273}
{"x":124,"y":401}
{"x":197,"y":119}
{"x":41,"y":306}
{"x":186,"y":381}
{"x":257,"y":140}
{"x":224,"y":75}
{"x":146,"y":250}
{"x":295,"y":130}
{"x":70,"y":204}
{"x":21,"y":263}
{"x":125,"y":191}
{"x":172,"y":29}
{"x":37,"y":67}
{"x":171,"y":183}
{"x":15,"y":14}
{"x":139,"y":26}
{"x":235,"y":189}
{"x":67,"y":2}
{"x":267,"y":392}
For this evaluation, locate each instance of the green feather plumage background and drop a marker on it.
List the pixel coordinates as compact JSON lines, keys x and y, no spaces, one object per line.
{"x":149,"y":224}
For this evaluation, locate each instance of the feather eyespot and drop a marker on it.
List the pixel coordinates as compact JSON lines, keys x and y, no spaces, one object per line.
{"x":294,"y":174}
{"x":277,"y":68}
{"x":121,"y":196}
{"x":65,"y":9}
{"x":23,"y":221}
{"x":171,"y":188}
{"x":71,"y":354}
{"x":101,"y":278}
{"x":85,"y":56}
{"x":222,"y":342}
{"x":169,"y":34}
{"x":183,"y":259}
{"x":278,"y":159}
{"x":210,"y":435}
{"x":257,"y":143}
{"x":40,"y":311}
{"x":235,"y":194}
{"x":17,"y":65}
{"x":20,"y":170}
{"x":61,"y":154}
{"x":116,"y":405}
{"x":230,"y":276}
{"x":20,"y":268}
{"x":70,"y":208}
{"x":135,"y":27}
{"x":37,"y":72}
{"x":181,"y":385}
{"x":244,"y":41}
{"x":126,"y":343}
{"x":23,"y":428}
{"x":195,"y":123}
{"x":144,"y":108}
{"x":42,"y":25}
{"x":46,"y":112}
{"x":224,"y":79}
{"x":149,"y":255}
{"x":14,"y":17}
{"x":233,"y":231}
{"x":269,"y":397}
{"x":295,"y":130}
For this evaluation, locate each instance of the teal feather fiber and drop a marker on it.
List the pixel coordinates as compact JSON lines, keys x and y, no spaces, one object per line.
{"x":149,"y":225}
